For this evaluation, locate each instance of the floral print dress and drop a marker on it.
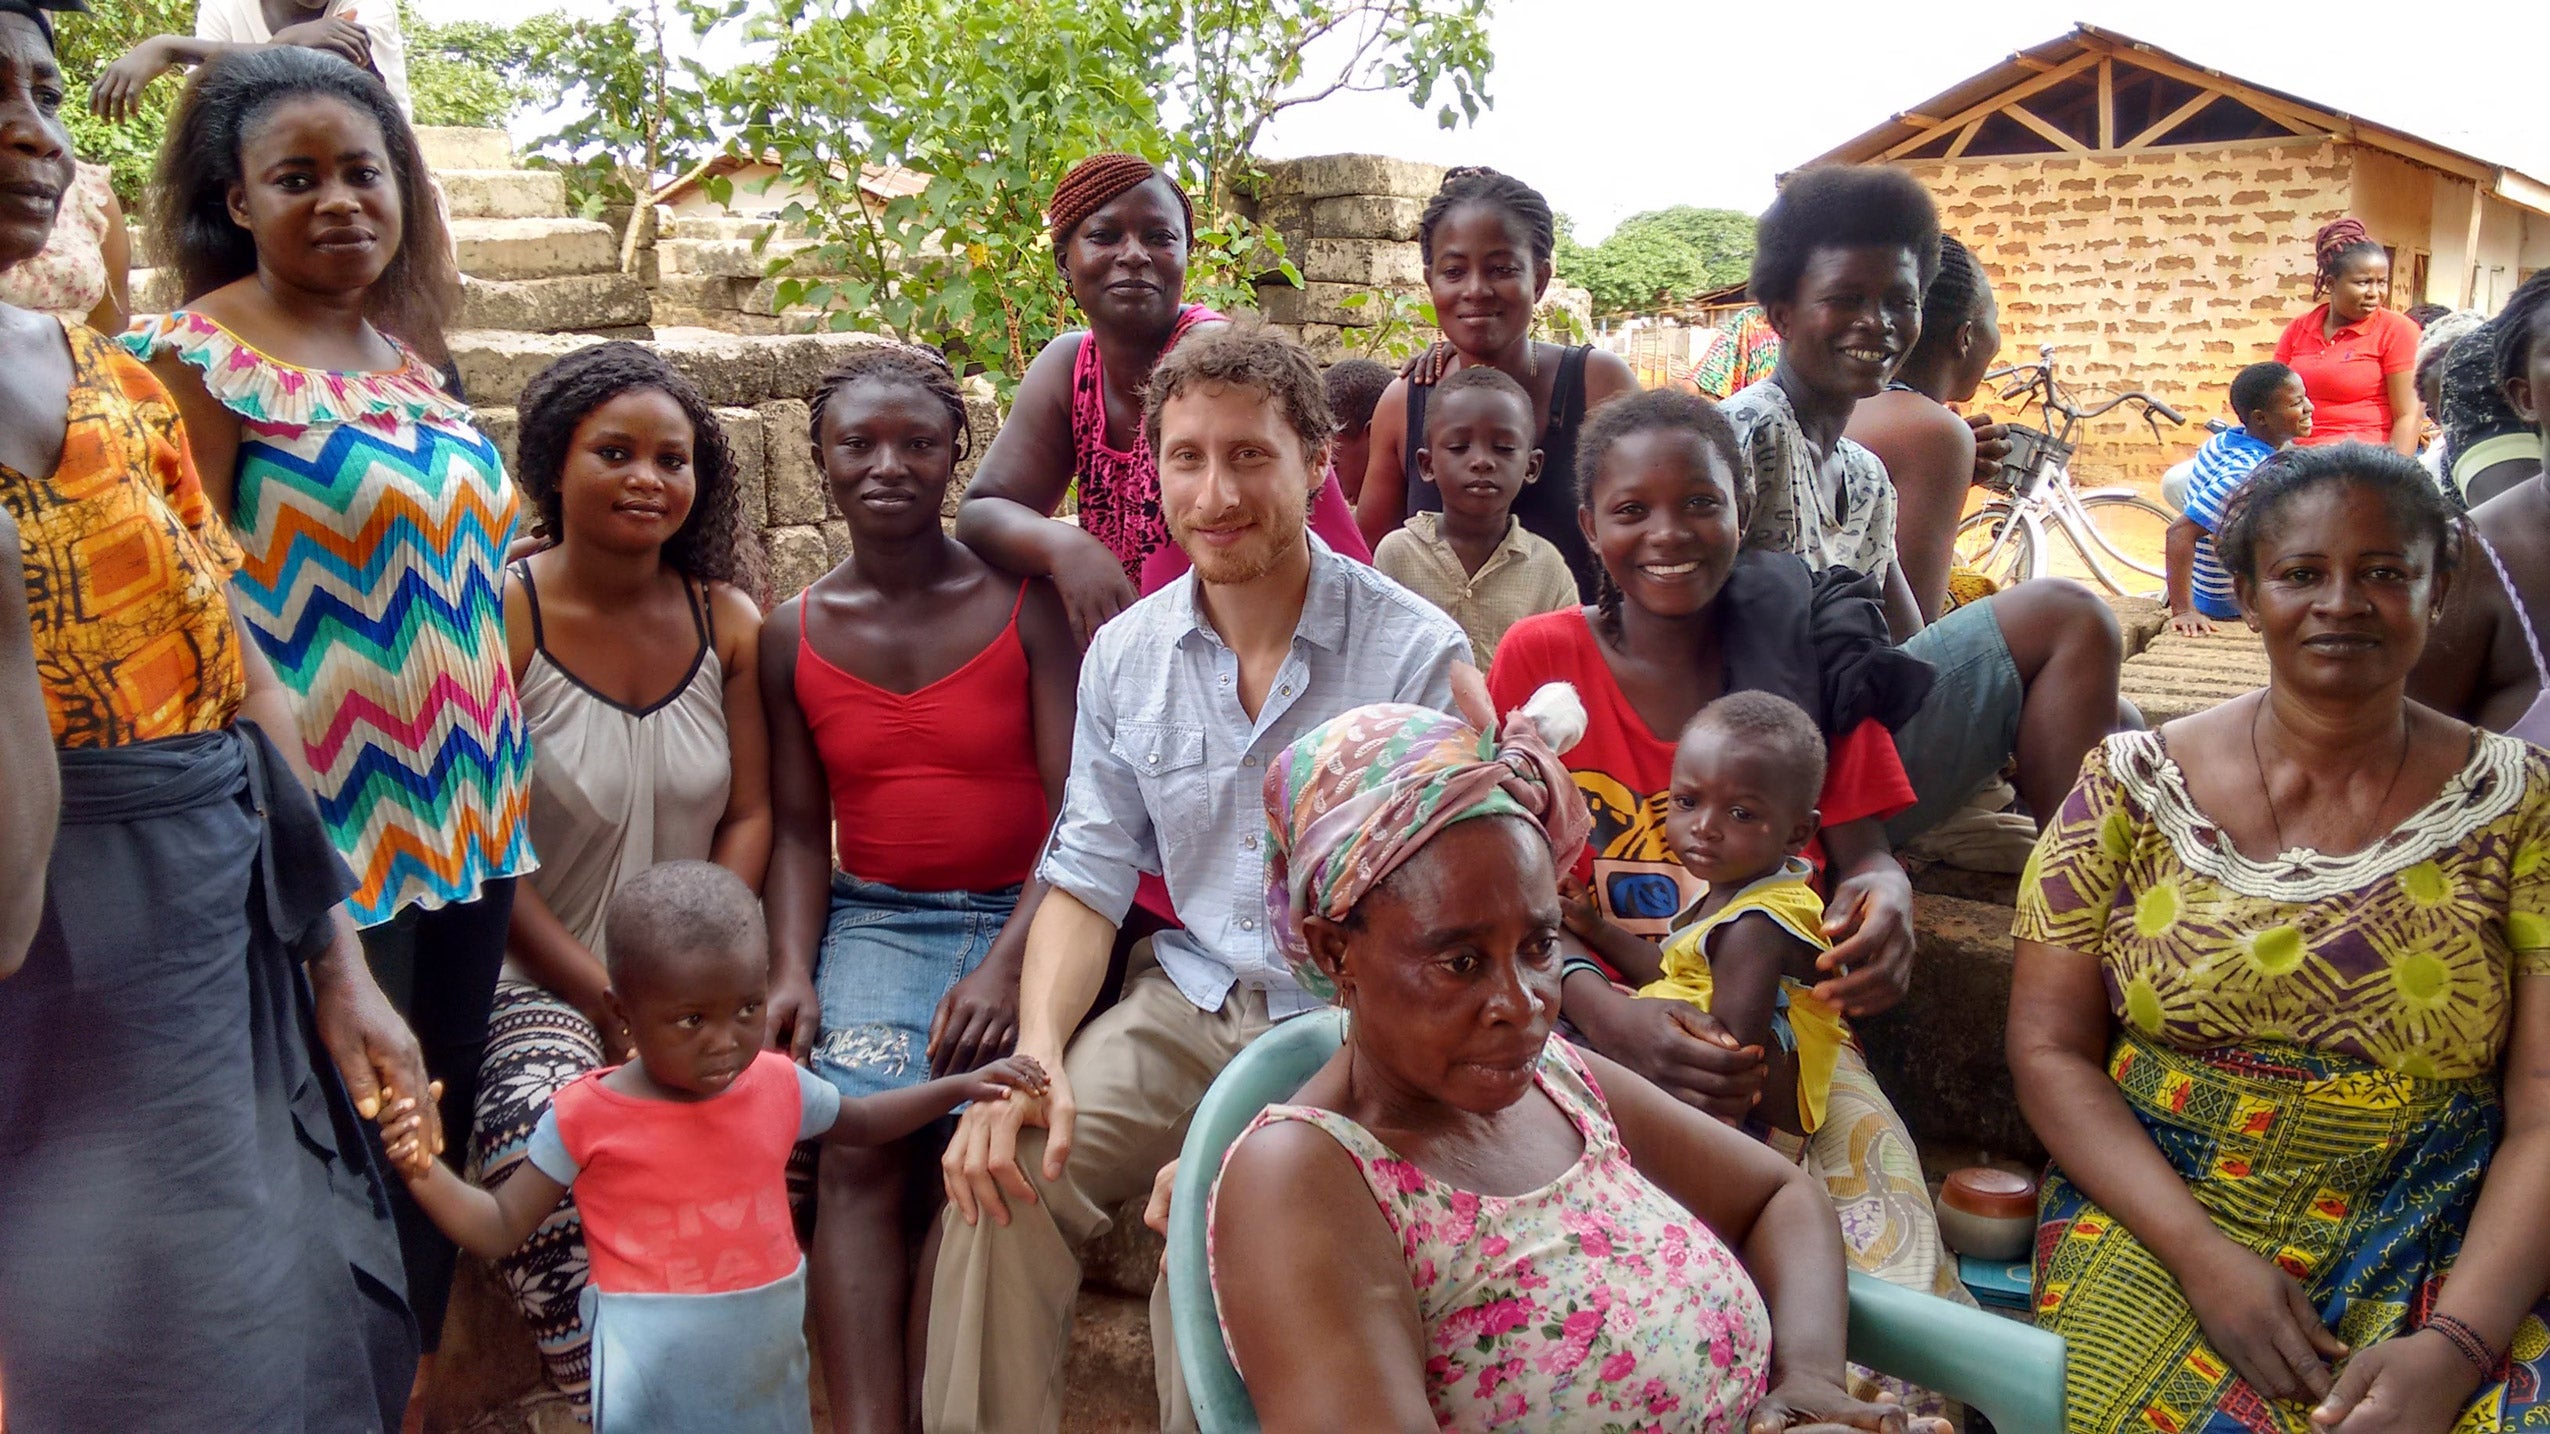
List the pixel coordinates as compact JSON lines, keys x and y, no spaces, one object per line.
{"x":1593,"y":1303}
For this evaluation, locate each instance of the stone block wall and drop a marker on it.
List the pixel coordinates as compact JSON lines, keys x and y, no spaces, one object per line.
{"x":1349,"y":224}
{"x":2168,"y":270}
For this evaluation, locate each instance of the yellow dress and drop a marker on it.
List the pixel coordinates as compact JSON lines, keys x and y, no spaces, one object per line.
{"x":1813,"y":1029}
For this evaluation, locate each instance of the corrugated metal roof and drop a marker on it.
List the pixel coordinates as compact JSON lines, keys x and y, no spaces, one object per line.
{"x":2506,"y":183}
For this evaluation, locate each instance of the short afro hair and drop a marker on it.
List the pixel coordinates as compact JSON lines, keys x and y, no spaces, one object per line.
{"x":2275,"y":483}
{"x":2255,"y":386}
{"x":1841,"y":206}
{"x":677,"y":909}
{"x":1355,"y":386}
{"x":1774,"y":728}
{"x":1478,"y":375}
{"x":1245,"y":355}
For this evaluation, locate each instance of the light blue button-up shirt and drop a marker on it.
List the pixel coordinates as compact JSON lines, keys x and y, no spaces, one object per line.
{"x":1168,"y":771}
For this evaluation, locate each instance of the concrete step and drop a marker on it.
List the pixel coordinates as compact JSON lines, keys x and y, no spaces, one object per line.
{"x":723,"y":258}
{"x":535,"y":248}
{"x":565,"y":304}
{"x":456,"y":147}
{"x":713,"y":226}
{"x":1939,"y":1054}
{"x":729,"y":369}
{"x":504,"y":193}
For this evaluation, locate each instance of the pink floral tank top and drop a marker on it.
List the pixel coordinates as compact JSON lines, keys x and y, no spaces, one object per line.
{"x":1593,"y":1303}
{"x":1119,"y":487}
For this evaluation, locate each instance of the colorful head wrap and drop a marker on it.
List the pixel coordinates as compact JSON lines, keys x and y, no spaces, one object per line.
{"x":1356,"y":796}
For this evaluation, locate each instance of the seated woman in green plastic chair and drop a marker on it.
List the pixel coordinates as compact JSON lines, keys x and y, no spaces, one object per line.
{"x":1464,"y":1223}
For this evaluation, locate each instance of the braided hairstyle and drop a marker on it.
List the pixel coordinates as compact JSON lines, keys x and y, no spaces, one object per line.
{"x":919,"y":365}
{"x":2339,"y":243}
{"x":2475,"y":406}
{"x":1841,"y":206}
{"x":1950,"y":302}
{"x":1099,"y":181}
{"x":223,"y":105}
{"x":712,"y":544}
{"x":1477,"y":184}
{"x":2273,"y":485}
{"x":1665,"y":409}
{"x":2520,"y":327}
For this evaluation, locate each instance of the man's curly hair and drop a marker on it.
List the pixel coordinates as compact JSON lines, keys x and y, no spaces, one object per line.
{"x":1246,"y":355}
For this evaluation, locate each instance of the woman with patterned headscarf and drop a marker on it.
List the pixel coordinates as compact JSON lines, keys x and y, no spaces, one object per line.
{"x":1121,"y":231}
{"x":2357,"y":357}
{"x":1462,"y":1221}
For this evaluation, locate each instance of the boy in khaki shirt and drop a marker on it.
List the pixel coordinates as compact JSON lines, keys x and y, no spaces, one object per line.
{"x":1473,"y":559}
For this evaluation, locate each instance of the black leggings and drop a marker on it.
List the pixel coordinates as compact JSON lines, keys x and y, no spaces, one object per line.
{"x":439,"y":969}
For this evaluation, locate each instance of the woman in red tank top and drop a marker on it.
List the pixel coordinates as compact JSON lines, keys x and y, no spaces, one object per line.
{"x":920,"y":705}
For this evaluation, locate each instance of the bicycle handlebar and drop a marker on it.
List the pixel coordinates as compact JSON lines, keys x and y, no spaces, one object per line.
{"x":2152,"y":406}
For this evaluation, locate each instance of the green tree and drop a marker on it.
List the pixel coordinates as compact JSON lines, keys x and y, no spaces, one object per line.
{"x":470,"y":73}
{"x":1659,"y":259}
{"x":992,"y":99}
{"x":631,"y":110}
{"x":86,"y":43}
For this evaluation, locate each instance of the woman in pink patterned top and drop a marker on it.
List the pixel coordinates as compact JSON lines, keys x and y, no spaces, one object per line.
{"x":1121,"y":227}
{"x":1462,"y":1222}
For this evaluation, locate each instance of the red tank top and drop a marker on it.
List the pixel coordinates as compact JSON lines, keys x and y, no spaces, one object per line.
{"x":935,"y":790}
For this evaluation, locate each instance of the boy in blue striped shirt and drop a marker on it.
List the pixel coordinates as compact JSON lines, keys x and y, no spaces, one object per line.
{"x":2274,"y":412}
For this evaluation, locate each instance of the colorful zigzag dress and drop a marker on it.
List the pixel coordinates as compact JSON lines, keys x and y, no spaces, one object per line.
{"x":374,"y":517}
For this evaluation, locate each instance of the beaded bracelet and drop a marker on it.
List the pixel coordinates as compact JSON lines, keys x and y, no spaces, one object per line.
{"x":2465,"y":1341}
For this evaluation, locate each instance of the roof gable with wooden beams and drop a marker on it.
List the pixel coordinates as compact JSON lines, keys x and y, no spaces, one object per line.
{"x":2094,"y":91}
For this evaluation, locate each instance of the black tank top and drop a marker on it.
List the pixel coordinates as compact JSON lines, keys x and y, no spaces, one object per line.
{"x":1546,"y":506}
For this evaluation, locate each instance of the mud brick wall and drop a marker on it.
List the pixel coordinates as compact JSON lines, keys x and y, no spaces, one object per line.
{"x":2167,"y":270}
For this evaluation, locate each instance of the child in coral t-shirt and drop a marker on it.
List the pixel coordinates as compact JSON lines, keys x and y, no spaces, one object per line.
{"x":678,"y":1161}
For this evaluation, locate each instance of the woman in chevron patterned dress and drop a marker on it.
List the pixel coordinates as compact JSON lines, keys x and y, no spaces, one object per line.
{"x":373,"y":517}
{"x":2281,"y":1013}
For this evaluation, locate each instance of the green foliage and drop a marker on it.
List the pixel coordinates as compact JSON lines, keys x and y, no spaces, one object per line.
{"x":86,"y":43}
{"x":1658,"y":259}
{"x":1398,"y":323}
{"x":994,"y":99}
{"x":633,"y":110}
{"x":463,"y":74}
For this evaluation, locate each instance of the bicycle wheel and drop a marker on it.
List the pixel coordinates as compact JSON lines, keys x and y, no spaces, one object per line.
{"x":1994,"y":542}
{"x":2130,"y":536}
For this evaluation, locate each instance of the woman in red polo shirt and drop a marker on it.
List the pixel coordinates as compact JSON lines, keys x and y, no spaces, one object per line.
{"x":2358,"y":360}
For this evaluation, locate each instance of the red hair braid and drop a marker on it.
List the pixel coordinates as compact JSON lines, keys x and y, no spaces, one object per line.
{"x":1097,"y":182}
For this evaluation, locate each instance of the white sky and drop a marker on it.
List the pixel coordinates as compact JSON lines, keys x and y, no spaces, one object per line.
{"x":1616,"y":106}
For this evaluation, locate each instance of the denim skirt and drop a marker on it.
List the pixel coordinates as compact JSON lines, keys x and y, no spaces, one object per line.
{"x":889,"y":957}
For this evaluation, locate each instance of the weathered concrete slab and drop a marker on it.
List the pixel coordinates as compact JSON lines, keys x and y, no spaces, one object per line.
{"x":1318,"y":303}
{"x":1327,"y":176}
{"x":504,"y":193}
{"x":535,"y":248}
{"x":1366,"y":216}
{"x":456,"y":147}
{"x":1369,"y":263}
{"x":568,"y":303}
{"x":2174,"y":674}
{"x":724,"y":258}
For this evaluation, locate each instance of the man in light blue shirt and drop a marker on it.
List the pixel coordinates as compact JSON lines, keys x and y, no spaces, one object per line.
{"x":1184,"y":699}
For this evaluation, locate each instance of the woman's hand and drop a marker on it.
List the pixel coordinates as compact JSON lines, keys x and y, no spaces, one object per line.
{"x":2187,"y":622}
{"x":1428,"y":365}
{"x":1869,"y":919}
{"x":1802,"y":1404}
{"x":795,"y":1013}
{"x":1686,"y":1053}
{"x":2260,"y":1320}
{"x":116,"y":94}
{"x":1092,"y":585}
{"x":373,"y":1049}
{"x":976,"y":1021}
{"x":1155,"y":1211}
{"x":2408,"y":1384}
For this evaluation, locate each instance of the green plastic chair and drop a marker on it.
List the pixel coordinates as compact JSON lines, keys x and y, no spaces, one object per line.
{"x":2010,"y":1372}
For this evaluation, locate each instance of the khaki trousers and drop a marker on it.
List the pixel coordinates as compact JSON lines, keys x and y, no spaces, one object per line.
{"x":1001,"y":1305}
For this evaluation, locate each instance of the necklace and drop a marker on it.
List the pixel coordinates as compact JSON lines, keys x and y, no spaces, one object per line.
{"x":2276,"y":819}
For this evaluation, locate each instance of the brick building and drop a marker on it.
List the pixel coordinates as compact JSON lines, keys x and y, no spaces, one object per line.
{"x":2152,"y":218}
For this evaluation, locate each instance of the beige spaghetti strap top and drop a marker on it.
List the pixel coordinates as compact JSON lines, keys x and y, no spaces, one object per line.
{"x":614,"y":789}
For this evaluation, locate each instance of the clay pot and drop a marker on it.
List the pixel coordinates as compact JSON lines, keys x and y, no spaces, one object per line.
{"x":1988,"y":1213}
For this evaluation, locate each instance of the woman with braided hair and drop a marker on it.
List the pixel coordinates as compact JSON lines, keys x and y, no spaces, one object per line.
{"x":2357,"y":358}
{"x":633,"y":644}
{"x":1487,"y":240}
{"x":1121,"y":227}
{"x":921,"y":705}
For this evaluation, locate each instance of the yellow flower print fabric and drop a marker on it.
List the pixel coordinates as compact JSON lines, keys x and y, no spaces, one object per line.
{"x":2404,"y":955}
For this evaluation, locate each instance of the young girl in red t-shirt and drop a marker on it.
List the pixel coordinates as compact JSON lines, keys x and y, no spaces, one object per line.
{"x":1684,"y":618}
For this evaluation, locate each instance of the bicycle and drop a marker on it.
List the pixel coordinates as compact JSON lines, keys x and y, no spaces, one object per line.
{"x":2005,"y":539}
